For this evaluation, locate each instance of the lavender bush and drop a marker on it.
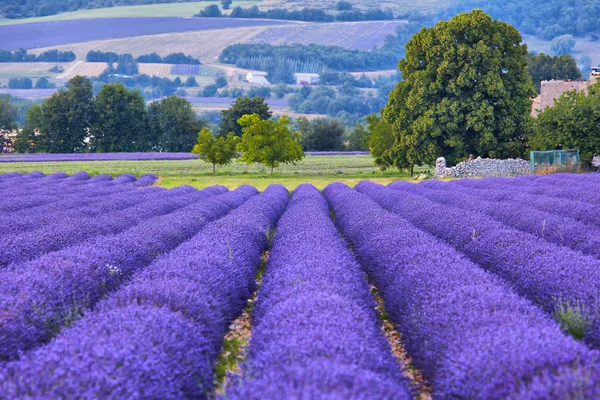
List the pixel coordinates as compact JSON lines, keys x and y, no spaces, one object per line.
{"x":159,"y":336}
{"x":470,"y":335}
{"x":561,"y":230}
{"x":315,"y":332}
{"x":545,"y":273}
{"x":49,"y":292}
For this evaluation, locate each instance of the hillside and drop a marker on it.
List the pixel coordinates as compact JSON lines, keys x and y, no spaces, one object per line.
{"x":43,"y":34}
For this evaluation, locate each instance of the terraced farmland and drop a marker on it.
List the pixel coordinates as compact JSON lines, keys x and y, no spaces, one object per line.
{"x":162,"y":70}
{"x":82,"y":68}
{"x":478,"y":289}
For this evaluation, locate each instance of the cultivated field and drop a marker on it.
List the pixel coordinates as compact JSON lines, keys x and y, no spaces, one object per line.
{"x":83,"y":68}
{"x":479,"y":289}
{"x":162,"y":70}
{"x":29,"y":69}
{"x":208,"y":44}
{"x":350,"y":35}
{"x":44,"y":34}
{"x":200,"y":44}
{"x":145,"y":10}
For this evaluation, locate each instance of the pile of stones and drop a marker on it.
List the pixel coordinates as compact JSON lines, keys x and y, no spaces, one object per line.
{"x":482,"y":167}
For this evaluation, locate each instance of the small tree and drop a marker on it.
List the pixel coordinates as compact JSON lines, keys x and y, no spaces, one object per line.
{"x":226,"y":4}
{"x":562,"y":44}
{"x":211,"y":11}
{"x":268,"y":142}
{"x":191,"y":81}
{"x":221,"y":82}
{"x":218,"y":151}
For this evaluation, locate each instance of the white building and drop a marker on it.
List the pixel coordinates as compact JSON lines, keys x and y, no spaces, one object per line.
{"x":257,"y":77}
{"x":306,"y":79}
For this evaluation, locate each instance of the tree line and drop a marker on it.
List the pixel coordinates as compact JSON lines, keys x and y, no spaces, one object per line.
{"x":111,"y":57}
{"x":114,"y":120}
{"x":331,"y":57}
{"x":27,"y":83}
{"x":21,"y":55}
{"x":306,"y":14}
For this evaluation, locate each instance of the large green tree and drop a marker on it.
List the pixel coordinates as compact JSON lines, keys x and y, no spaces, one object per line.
{"x":121,"y":122}
{"x":268,"y":142}
{"x":572,"y":123}
{"x":465,"y":90}
{"x":543,"y":67}
{"x":65,"y":117}
{"x":174,"y":125}
{"x":242,"y":106}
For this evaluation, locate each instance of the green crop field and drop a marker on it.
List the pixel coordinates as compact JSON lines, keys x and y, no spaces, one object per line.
{"x":146,"y":10}
{"x":318,"y":170}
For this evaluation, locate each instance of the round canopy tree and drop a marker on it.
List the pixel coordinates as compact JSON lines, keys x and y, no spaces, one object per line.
{"x":465,"y":90}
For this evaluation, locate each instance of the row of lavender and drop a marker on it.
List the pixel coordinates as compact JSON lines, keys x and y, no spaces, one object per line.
{"x":11,"y":158}
{"x":173,"y":281}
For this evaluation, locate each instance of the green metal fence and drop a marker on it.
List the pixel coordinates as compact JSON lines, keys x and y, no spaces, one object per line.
{"x":552,"y":161}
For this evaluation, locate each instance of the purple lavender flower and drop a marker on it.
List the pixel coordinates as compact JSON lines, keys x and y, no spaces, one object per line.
{"x":470,"y":335}
{"x":315,"y":332}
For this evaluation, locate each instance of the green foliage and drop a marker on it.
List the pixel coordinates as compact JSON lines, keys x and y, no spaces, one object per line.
{"x":210,"y":90}
{"x":226,"y":4}
{"x":191,"y":81}
{"x":543,"y":67}
{"x":25,"y":141}
{"x":173,"y":125}
{"x":573,"y":318}
{"x":120,"y":122}
{"x":211,"y":11}
{"x":466,"y":90}
{"x":259,"y":91}
{"x":44,"y":83}
{"x":47,"y":56}
{"x":332,"y":57}
{"x":8,"y":114}
{"x":321,"y":134}
{"x":268,"y":142}
{"x":221,"y":81}
{"x":216,"y":150}
{"x":571,"y":123}
{"x":20,"y":83}
{"x":343,"y":5}
{"x":562,"y":44}
{"x":242,"y":106}
{"x":358,"y":138}
{"x":64,"y":118}
{"x":381,"y":143}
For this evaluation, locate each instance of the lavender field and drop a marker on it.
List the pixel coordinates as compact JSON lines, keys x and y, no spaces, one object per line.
{"x":479,"y":289}
{"x":43,"y":34}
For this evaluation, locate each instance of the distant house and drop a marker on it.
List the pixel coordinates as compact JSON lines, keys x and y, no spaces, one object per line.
{"x":551,"y":90}
{"x":306,"y":79}
{"x":257,"y":77}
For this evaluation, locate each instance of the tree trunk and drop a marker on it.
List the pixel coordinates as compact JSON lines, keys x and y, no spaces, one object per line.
{"x":213,"y":168}
{"x":411,"y":170}
{"x":271,"y":171}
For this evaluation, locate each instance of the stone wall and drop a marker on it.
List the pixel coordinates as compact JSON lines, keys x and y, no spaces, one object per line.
{"x":482,"y":167}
